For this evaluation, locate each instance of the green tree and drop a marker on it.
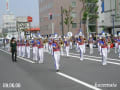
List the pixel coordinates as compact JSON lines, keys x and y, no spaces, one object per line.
{"x":68,"y":20}
{"x":90,"y":10}
{"x":0,"y":34}
{"x":4,"y":35}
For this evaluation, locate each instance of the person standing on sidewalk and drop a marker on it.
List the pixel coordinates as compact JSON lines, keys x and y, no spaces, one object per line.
{"x":13,"y":49}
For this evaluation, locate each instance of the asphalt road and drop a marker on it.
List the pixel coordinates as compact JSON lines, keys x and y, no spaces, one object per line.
{"x":74,"y":74}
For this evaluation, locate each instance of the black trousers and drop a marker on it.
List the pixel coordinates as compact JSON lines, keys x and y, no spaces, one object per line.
{"x":14,"y":55}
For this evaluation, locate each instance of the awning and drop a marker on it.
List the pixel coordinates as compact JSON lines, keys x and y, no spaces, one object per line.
{"x":33,"y":29}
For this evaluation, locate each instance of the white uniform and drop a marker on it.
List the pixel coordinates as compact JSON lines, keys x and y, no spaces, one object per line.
{"x":104,"y":53}
{"x":35,"y":52}
{"x":71,"y":44}
{"x":81,"y":46}
{"x":91,"y":45}
{"x":28,"y":50}
{"x":23,"y":50}
{"x":41,"y":52}
{"x":67,"y":48}
{"x":50,"y":46}
{"x":84,"y":48}
{"x":77,"y":47}
{"x":56,"y":55}
{"x":46,"y":46}
{"x":108,"y":45}
{"x":119,"y":47}
{"x":20,"y":50}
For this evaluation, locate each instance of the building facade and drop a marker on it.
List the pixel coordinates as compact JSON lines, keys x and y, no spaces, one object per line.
{"x":9,"y":25}
{"x":47,"y":7}
{"x":109,"y":16}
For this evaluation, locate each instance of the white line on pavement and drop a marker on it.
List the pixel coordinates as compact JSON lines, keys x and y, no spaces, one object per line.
{"x":19,"y":57}
{"x":78,"y":81}
{"x":90,"y":59}
{"x":95,"y":57}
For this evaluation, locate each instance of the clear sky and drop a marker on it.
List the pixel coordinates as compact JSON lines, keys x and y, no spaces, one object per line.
{"x":22,"y":8}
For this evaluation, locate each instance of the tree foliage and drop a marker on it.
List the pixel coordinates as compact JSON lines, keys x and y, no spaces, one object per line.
{"x":68,"y":20}
{"x":90,"y":9}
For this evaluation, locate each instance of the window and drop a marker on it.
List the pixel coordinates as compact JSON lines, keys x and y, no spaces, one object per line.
{"x":74,"y":25}
{"x":73,"y":14}
{"x":73,"y":4}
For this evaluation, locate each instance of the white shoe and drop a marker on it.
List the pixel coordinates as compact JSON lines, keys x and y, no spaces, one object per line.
{"x":81,"y":59}
{"x":104,"y":64}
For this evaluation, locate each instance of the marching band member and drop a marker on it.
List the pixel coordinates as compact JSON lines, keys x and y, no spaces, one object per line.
{"x":61,"y":46}
{"x":119,"y":44}
{"x":108,"y":42}
{"x":46,"y":44}
{"x":50,"y":46}
{"x":116,"y":42}
{"x":67,"y":47}
{"x":18,"y":48}
{"x":104,"y":50}
{"x":71,"y":43}
{"x":84,"y":46}
{"x":41,"y":50}
{"x":99,"y":45}
{"x":81,"y":45}
{"x":77,"y":45}
{"x":23,"y":48}
{"x":27,"y":48}
{"x":35,"y":50}
{"x":56,"y":54}
{"x":91,"y":44}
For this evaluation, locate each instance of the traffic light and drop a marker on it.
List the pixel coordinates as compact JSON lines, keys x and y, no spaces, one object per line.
{"x":50,"y":16}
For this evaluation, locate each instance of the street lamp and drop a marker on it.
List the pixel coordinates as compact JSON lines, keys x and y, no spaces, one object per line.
{"x":113,"y":23}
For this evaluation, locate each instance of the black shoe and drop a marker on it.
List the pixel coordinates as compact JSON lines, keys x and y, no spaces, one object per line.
{"x":57,"y":70}
{"x":15,"y":60}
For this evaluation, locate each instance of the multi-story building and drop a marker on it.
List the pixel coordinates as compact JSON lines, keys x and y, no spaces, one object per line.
{"x":109,"y":16}
{"x":47,"y":7}
{"x":9,"y":25}
{"x":0,"y":29}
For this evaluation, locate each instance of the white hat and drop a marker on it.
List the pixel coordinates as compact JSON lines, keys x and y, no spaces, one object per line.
{"x":115,"y":35}
{"x":59,"y":37}
{"x":100,"y":37}
{"x":80,"y":34}
{"x":108,"y":34}
{"x":56,"y":35}
{"x":90,"y":35}
{"x":103,"y":34}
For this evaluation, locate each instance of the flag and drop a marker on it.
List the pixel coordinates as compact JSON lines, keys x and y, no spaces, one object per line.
{"x":103,"y":7}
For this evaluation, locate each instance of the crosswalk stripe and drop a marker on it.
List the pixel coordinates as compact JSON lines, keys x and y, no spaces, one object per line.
{"x":78,"y":81}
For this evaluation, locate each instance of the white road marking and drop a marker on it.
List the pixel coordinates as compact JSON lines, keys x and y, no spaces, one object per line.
{"x":96,"y":57}
{"x":78,"y":81}
{"x":90,"y":59}
{"x":19,"y":57}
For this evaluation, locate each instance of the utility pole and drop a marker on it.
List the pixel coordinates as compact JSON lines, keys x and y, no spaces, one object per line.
{"x":87,"y":25}
{"x":62,"y":21}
